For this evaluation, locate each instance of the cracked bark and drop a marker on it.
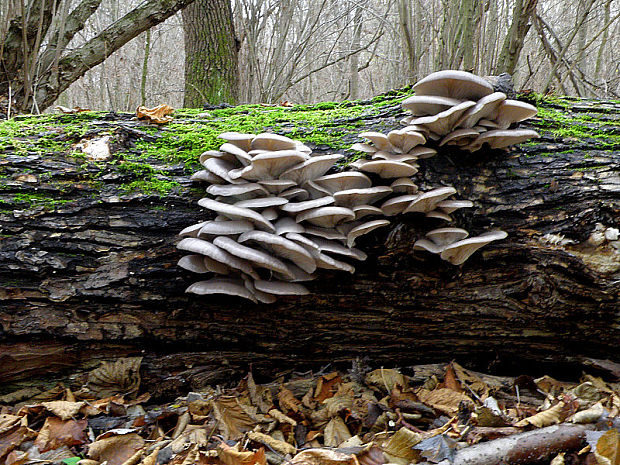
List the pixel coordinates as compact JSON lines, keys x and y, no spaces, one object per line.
{"x":97,"y":277}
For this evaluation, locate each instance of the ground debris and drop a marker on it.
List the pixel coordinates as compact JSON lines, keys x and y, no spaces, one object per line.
{"x":328,"y":418}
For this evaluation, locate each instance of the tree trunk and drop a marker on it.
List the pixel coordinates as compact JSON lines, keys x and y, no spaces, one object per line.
{"x":211,"y":54}
{"x":96,"y":276}
{"x":513,"y":43}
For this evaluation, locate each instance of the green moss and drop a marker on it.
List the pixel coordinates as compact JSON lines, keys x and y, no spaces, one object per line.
{"x":30,"y":200}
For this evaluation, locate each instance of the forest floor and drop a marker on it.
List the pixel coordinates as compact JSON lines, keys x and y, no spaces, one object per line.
{"x":419,"y":414}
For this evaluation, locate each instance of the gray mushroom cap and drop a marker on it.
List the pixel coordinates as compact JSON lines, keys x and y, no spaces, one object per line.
{"x":409,"y":158}
{"x":229,"y":157}
{"x":225,"y":228}
{"x":221,"y":286}
{"x":426,"y":201}
{"x":364,"y":229}
{"x":454,"y":84}
{"x":404,"y":185}
{"x":257,"y":257}
{"x":362,"y":211}
{"x":363,"y":147}
{"x":262,"y":202}
{"x":297,"y":207}
{"x":270,"y":214}
{"x":500,"y":138}
{"x":237,"y":213}
{"x":212,"y":251}
{"x":397,"y":205}
{"x":311,"y":169}
{"x":193,"y":263}
{"x":280,"y":288}
{"x":442,"y":123}
{"x":512,"y":111}
{"x":262,"y":297}
{"x":221,"y":168}
{"x":425,"y":244}
{"x":282,"y":247}
{"x":295,"y":193}
{"x":207,"y":176}
{"x":272,"y":142}
{"x":449,"y":206}
{"x":421,"y":105}
{"x":462,"y":136}
{"x":240,"y":191}
{"x":342,"y":181}
{"x":269,"y":165}
{"x":325,"y":233}
{"x":445,"y":236}
{"x":243,"y":141}
{"x":288,"y":225}
{"x":439,"y":215}
{"x":241,"y":155}
{"x":483,"y":108}
{"x":276,"y":186}
{"x":405,"y":139}
{"x":326,"y":217}
{"x":335,"y":247}
{"x":458,"y":252}
{"x":388,"y":169}
{"x":352,"y":197}
{"x":192,"y":231}
{"x":380,"y":140}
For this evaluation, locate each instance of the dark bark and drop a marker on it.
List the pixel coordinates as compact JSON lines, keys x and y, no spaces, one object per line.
{"x":211,"y":54}
{"x":97,"y":276}
{"x":513,"y":44}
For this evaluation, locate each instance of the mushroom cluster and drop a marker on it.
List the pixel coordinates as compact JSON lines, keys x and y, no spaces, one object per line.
{"x":279,"y":217}
{"x":460,"y":109}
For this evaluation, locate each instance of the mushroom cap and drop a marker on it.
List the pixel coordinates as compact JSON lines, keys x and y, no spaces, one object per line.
{"x":241,"y":155}
{"x":380,"y":140}
{"x":248,"y":190}
{"x":326,"y":262}
{"x":454,"y":84}
{"x":445,"y":236}
{"x":296,"y":207}
{"x":280,"y":288}
{"x":257,"y":257}
{"x":362,"y":211}
{"x":455,"y":137}
{"x":405,"y":139}
{"x":326,"y":245}
{"x":229,"y":157}
{"x":458,"y":252}
{"x":262,"y":202}
{"x":315,"y":190}
{"x":221,"y":286}
{"x":390,"y":156}
{"x":397,"y":205}
{"x":421,"y":105}
{"x":310,"y":169}
{"x":425,"y":244}
{"x":426,"y":201}
{"x":221,"y":168}
{"x":243,"y":141}
{"x":270,"y":214}
{"x":512,"y":111}
{"x":352,"y":197}
{"x":439,"y":215}
{"x":326,"y":217}
{"x":295,"y":193}
{"x":276,"y":186}
{"x":483,"y":108}
{"x":212,"y":251}
{"x":225,"y":228}
{"x":404,"y":185}
{"x":237,"y":213}
{"x":364,"y":229}
{"x":423,"y":152}
{"x":269,"y":165}
{"x":442,"y":123}
{"x":500,"y":138}
{"x":193,"y":263}
{"x":272,"y":142}
{"x":363,"y":147}
{"x":192,"y":231}
{"x":282,"y":247}
{"x":208,"y":176}
{"x":342,"y":181}
{"x":307,"y":243}
{"x":288,"y":225}
{"x":387,"y":169}
{"x":262,"y":297}
{"x":448,"y":206}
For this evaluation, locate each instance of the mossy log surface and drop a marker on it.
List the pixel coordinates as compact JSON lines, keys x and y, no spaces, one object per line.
{"x":88,"y":268}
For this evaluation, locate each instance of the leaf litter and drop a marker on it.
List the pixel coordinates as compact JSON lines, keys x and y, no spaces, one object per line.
{"x":437,"y":414}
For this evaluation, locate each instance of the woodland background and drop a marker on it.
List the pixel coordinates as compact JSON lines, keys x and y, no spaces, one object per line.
{"x":302,"y":51}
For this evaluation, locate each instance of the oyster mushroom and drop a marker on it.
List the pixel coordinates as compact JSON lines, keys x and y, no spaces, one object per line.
{"x":454,"y":84}
{"x":458,"y":252}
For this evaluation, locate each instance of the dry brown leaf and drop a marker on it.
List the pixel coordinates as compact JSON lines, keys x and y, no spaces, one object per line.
{"x":63,"y":409}
{"x":56,"y":433}
{"x":275,"y":444}
{"x":233,"y":456}
{"x":336,"y":432}
{"x":69,"y":111}
{"x":323,"y":457}
{"x":8,"y":422}
{"x":288,"y":401}
{"x":121,"y":376}
{"x":399,"y":448}
{"x":450,"y":381}
{"x":13,"y":437}
{"x":233,"y":419}
{"x":157,"y":115}
{"x":327,"y":386}
{"x":151,"y":459}
{"x":386,"y":379}
{"x":371,"y":456}
{"x":17,"y":457}
{"x":282,"y":418}
{"x":551,"y":416}
{"x":116,"y":449}
{"x":590,"y":415}
{"x":608,"y":448}
{"x":259,"y":395}
{"x":443,"y":399}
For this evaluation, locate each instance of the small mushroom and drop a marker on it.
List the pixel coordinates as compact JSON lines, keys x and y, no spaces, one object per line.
{"x":362,"y":211}
{"x":422,"y":105}
{"x":364,"y":229}
{"x":512,"y":111}
{"x":207,"y":176}
{"x":326,"y":245}
{"x":287,"y":225}
{"x":192,"y":231}
{"x":212,"y":251}
{"x":280,"y":288}
{"x":237,"y":213}
{"x":397,"y":205}
{"x":458,"y":252}
{"x":352,"y":197}
{"x":449,"y":206}
{"x":342,"y":181}
{"x":272,"y":142}
{"x":276,"y":186}
{"x":439,"y":215}
{"x":193,"y":263}
{"x":404,"y":185}
{"x":269,"y":165}
{"x":380,"y":140}
{"x":462,"y":136}
{"x":270,"y":214}
{"x":221,"y":168}
{"x":297,"y":207}
{"x":295,"y":193}
{"x":241,"y":155}
{"x":221,"y":286}
{"x":310,"y":169}
{"x":240,"y":191}
{"x":483,"y":108}
{"x":426,"y":201}
{"x":444,"y":122}
{"x":388,"y":169}
{"x":445,"y":236}
{"x":262,"y":202}
{"x":261,"y":259}
{"x":500,"y":138}
{"x":405,"y":140}
{"x":326,"y":217}
{"x":325,"y":233}
{"x":281,"y":247}
{"x":425,"y":244}
{"x":243,"y":141}
{"x":225,"y":228}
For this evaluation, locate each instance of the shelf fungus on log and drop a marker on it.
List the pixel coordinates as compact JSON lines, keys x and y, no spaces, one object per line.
{"x":281,"y":217}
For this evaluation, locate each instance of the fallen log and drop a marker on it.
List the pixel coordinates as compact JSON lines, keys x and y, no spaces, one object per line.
{"x":89,"y":263}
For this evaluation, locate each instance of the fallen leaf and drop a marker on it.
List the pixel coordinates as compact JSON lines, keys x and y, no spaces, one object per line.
{"x":234,"y":456}
{"x":12,"y":438}
{"x":551,"y":416}
{"x":437,"y":448}
{"x":121,"y":376}
{"x":443,"y":399}
{"x":275,"y":444}
{"x":607,"y":450}
{"x":115,"y":449}
{"x":386,"y":379}
{"x":336,"y":432}
{"x":327,"y":386}
{"x":450,"y":381}
{"x":323,"y":457}
{"x":233,"y":420}
{"x":288,"y":401}
{"x":63,"y":409}
{"x":70,"y":111}
{"x":399,"y":448}
{"x":56,"y":433}
{"x":157,"y":115}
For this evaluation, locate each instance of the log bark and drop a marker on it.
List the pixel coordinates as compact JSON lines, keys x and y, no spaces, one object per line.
{"x":96,"y":277}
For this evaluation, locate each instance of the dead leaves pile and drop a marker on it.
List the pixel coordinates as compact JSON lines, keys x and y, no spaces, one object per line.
{"x":158,"y":115}
{"x":358,"y":418}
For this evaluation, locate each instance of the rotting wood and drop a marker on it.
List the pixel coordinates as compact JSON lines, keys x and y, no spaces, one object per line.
{"x":98,"y":275}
